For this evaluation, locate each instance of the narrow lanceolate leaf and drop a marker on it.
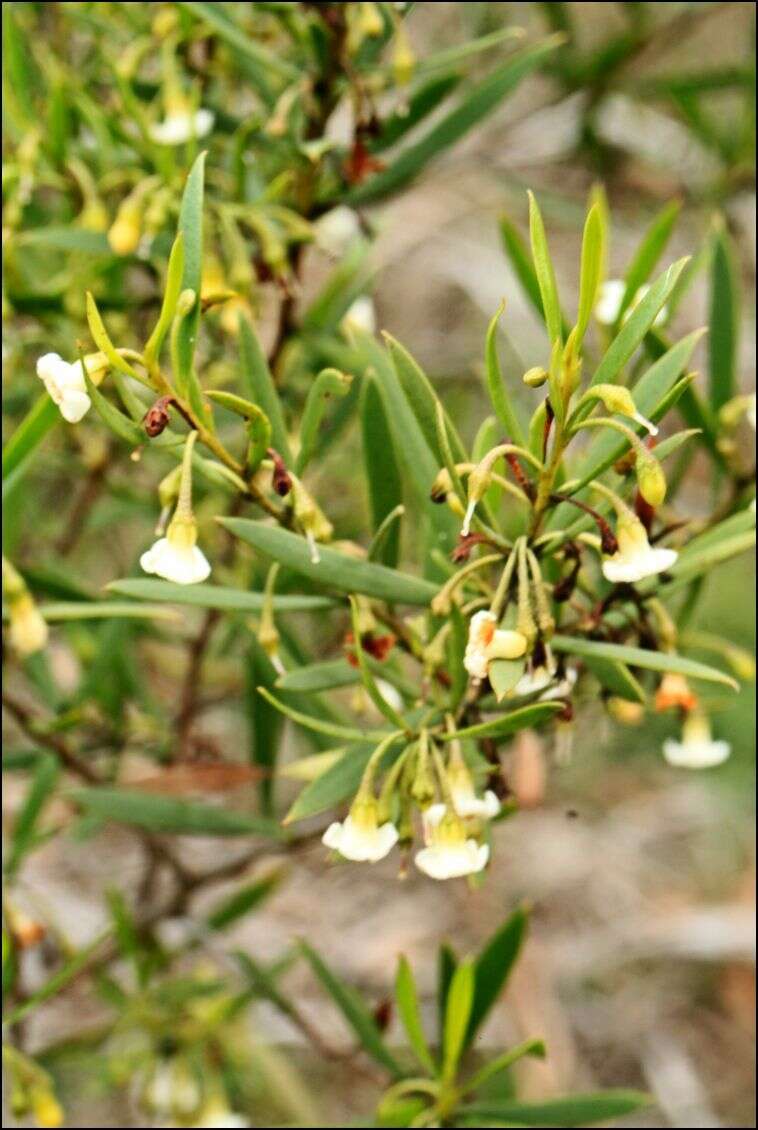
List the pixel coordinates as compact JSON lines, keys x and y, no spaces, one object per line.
{"x":501,"y":400}
{"x":119,"y":423}
{"x":573,"y":1110}
{"x":472,"y":108}
{"x":315,"y":677}
{"x":174,"y":277}
{"x":241,"y":902}
{"x":543,"y":268}
{"x":335,"y":570}
{"x":191,"y":229}
{"x":338,"y":782}
{"x":257,"y":380}
{"x":649,"y":252}
{"x":25,"y":830}
{"x":63,"y":610}
{"x":102,"y":340}
{"x":616,"y":678}
{"x":460,"y":999}
{"x":724,"y":321}
{"x":231,"y":33}
{"x":493,"y":967}
{"x":409,"y":1009}
{"x":507,"y":724}
{"x":168,"y":814}
{"x":216,"y":596}
{"x":265,"y":722}
{"x":592,"y":266}
{"x":640,"y":657}
{"x":58,"y":980}
{"x":328,"y":384}
{"x":422,"y":399}
{"x":384,"y":484}
{"x":637,"y":325}
{"x":321,"y":726}
{"x":41,"y":417}
{"x":354,"y":1011}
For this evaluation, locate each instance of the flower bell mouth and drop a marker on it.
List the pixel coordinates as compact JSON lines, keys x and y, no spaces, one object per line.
{"x":675,"y":692}
{"x":465,"y":801}
{"x":448,"y":853}
{"x":65,"y":385}
{"x":176,"y":557}
{"x":360,"y":837}
{"x":635,"y":558}
{"x":697,"y":749}
{"x":487,"y":642}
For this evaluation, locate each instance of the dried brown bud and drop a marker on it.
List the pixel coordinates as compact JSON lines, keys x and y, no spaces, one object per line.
{"x":281,"y":480}
{"x":156,"y":419}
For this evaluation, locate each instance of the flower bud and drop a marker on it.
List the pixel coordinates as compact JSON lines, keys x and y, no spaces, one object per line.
{"x":403,"y":59}
{"x":650,"y":478}
{"x":535,"y":377}
{"x":46,"y":1108}
{"x":442,"y":486}
{"x":28,"y":629}
{"x":126,"y":230}
{"x":618,"y":399}
{"x":185,"y":302}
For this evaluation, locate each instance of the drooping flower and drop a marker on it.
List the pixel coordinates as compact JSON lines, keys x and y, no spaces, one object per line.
{"x":66,"y":386}
{"x":609,"y":301}
{"x":487,"y":642}
{"x":182,"y":124}
{"x":361,"y":315}
{"x":697,"y":748}
{"x":466,"y":802}
{"x":337,"y":230}
{"x":449,"y":853}
{"x":177,"y":557}
{"x":360,"y":837}
{"x":635,"y":558}
{"x":674,"y":691}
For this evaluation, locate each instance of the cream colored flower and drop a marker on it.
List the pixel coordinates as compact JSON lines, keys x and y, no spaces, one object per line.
{"x":487,"y":642}
{"x":66,"y":386}
{"x":172,"y":1089}
{"x":448,"y":853}
{"x":360,"y":837}
{"x":176,"y":557}
{"x":609,"y":302}
{"x":218,"y":1114}
{"x":697,"y":749}
{"x":635,"y":558}
{"x":182,"y":125}
{"x":337,"y":230}
{"x":465,"y":801}
{"x":361,"y":315}
{"x":28,"y":630}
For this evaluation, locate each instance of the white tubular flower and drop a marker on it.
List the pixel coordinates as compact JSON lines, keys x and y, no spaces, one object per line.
{"x":217,"y":1113}
{"x":465,"y":801}
{"x":697,"y":749}
{"x":448,"y":853}
{"x":176,"y":557}
{"x":182,"y":125}
{"x":635,"y":558}
{"x":609,"y":302}
{"x":65,"y":384}
{"x":361,"y":315}
{"x":337,"y":230}
{"x":487,"y":642}
{"x":172,"y":1089}
{"x":360,"y":837}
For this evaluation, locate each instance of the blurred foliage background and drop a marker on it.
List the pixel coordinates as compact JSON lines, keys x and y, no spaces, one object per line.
{"x":639,"y":970}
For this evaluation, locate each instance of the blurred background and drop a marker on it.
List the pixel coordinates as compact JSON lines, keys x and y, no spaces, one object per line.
{"x":639,"y":969}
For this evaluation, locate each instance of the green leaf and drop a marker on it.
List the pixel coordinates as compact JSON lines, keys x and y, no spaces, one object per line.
{"x":505,"y":1061}
{"x":617,"y":678}
{"x":385,"y":488}
{"x":59,"y":979}
{"x":471,"y":109}
{"x":493,"y":967}
{"x":38,"y":421}
{"x":640,"y":657}
{"x":41,"y":788}
{"x":191,"y":231}
{"x":637,"y":325}
{"x":70,"y":610}
{"x":573,"y":1110}
{"x":233,"y":907}
{"x":265,"y":722}
{"x":409,"y":1010}
{"x":723,"y":321}
{"x":354,"y":1011}
{"x":649,"y":252}
{"x":591,"y":270}
{"x":423,"y":400}
{"x":173,"y":288}
{"x":422,"y":101}
{"x":335,"y":570}
{"x":319,"y":725}
{"x":120,"y":424}
{"x":504,"y":674}
{"x":329,"y":383}
{"x":447,"y":963}
{"x":458,"y":1011}
{"x":257,"y":379}
{"x":102,"y":340}
{"x":543,"y":267}
{"x":333,"y":786}
{"x":501,"y":401}
{"x":518,"y":255}
{"x":60,"y":238}
{"x":314,"y":677}
{"x":227,"y":30}
{"x":216,"y":596}
{"x":507,"y":724}
{"x":169,"y":814}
